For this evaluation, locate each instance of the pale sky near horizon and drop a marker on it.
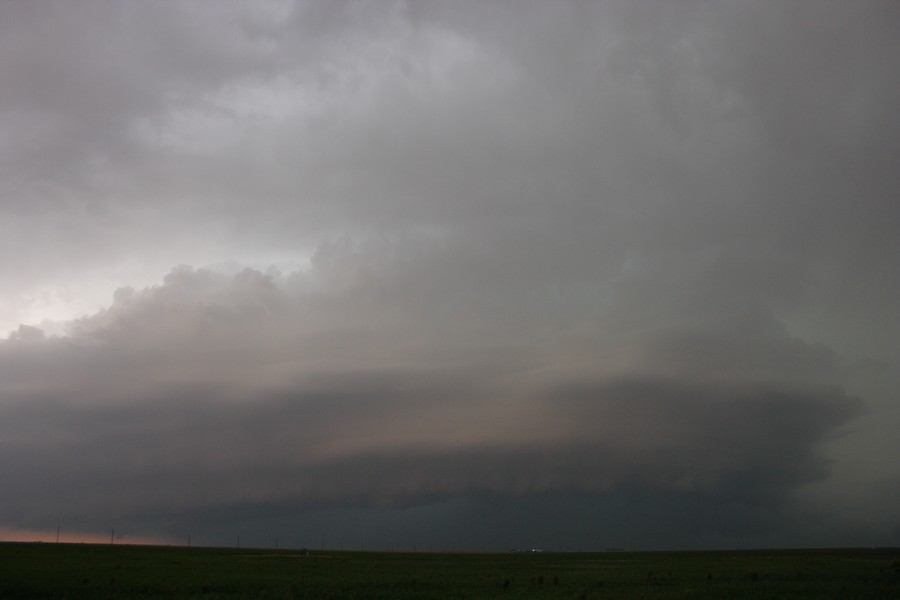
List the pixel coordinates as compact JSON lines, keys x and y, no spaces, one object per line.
{"x":461,"y":274}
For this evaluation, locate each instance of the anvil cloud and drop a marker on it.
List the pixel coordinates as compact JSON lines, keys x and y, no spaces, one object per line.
{"x":459,"y":274}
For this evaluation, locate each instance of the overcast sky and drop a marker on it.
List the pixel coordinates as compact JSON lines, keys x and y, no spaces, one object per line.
{"x":451,"y":274}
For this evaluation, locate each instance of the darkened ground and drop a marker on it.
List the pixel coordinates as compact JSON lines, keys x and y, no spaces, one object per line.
{"x":97,"y":571}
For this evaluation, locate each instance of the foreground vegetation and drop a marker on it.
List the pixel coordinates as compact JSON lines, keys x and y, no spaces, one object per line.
{"x":95,"y":571}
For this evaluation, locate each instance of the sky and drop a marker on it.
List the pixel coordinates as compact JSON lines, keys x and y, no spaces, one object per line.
{"x":451,"y":275}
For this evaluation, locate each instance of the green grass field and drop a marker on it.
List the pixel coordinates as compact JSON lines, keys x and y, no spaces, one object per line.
{"x":96,"y":571}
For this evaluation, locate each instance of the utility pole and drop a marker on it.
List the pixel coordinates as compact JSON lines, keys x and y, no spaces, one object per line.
{"x":112,"y":536}
{"x":57,"y":534}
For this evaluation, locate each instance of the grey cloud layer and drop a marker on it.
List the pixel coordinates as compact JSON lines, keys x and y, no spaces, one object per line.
{"x":681,"y":123}
{"x":525,"y":248}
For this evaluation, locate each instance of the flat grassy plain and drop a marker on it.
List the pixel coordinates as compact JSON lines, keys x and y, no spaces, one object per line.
{"x":99,"y":571}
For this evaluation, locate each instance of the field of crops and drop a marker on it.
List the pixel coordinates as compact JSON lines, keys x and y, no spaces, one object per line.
{"x":96,"y":571}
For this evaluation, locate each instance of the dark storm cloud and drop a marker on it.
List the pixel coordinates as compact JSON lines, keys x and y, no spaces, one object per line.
{"x":211,"y":391}
{"x":523,"y":250}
